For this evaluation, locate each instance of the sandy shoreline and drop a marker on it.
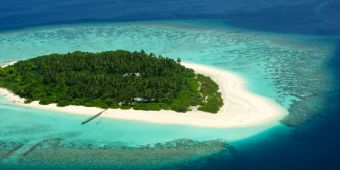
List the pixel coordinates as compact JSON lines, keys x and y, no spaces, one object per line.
{"x":7,"y":63}
{"x":241,"y":108}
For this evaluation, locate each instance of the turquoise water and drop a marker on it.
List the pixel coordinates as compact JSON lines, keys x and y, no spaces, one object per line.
{"x":269,"y":62}
{"x":251,"y":54}
{"x":206,"y":42}
{"x":37,"y":124}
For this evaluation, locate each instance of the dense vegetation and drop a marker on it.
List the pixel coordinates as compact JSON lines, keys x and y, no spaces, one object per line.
{"x":112,"y":79}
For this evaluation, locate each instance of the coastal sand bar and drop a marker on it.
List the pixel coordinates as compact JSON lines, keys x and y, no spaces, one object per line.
{"x":241,"y":108}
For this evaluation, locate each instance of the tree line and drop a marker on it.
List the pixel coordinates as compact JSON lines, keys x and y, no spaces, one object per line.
{"x":111,"y":79}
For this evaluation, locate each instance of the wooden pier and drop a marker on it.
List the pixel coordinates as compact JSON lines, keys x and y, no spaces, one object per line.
{"x":92,"y":117}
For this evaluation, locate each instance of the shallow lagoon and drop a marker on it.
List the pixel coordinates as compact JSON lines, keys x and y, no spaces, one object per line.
{"x":269,"y":62}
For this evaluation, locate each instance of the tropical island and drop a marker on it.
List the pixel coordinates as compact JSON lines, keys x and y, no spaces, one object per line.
{"x":136,"y":86}
{"x":112,"y":79}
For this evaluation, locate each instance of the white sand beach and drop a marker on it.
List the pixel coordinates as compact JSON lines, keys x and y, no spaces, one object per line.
{"x":7,"y":63}
{"x":241,"y":108}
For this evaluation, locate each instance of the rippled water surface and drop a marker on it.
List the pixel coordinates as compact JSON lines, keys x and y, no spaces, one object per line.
{"x":290,"y":69}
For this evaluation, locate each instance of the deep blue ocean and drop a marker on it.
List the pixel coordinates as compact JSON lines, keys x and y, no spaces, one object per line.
{"x":314,"y":144}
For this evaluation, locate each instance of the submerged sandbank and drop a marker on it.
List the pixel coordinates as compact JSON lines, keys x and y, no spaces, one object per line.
{"x":241,"y":108}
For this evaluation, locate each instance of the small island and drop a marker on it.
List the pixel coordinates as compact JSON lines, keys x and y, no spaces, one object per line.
{"x":112,"y":79}
{"x":136,"y":86}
